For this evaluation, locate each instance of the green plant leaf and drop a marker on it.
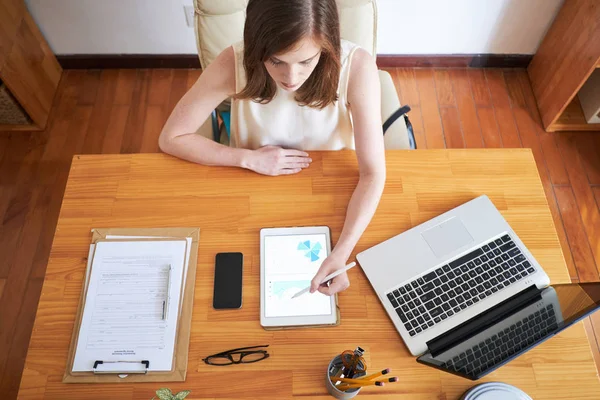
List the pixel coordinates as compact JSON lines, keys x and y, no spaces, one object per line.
{"x":182,"y":395}
{"x":164,"y":394}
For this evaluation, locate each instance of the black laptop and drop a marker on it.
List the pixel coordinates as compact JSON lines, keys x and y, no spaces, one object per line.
{"x":485,"y":343}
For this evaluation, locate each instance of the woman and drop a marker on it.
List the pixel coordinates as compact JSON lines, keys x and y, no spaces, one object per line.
{"x":296,"y":86}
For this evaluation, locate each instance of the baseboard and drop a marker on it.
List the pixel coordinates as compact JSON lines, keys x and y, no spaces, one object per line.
{"x":107,"y":61}
{"x":127,"y":61}
{"x":454,"y":60}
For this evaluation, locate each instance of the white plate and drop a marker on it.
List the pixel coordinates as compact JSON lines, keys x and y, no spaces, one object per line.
{"x":495,"y":391}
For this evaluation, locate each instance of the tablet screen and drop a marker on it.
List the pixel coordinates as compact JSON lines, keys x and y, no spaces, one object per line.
{"x":291,"y":261}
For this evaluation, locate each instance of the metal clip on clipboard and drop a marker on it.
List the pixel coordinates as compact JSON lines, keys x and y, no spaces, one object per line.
{"x":121,"y":367}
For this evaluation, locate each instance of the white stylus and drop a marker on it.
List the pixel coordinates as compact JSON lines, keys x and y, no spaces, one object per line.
{"x":327,"y":278}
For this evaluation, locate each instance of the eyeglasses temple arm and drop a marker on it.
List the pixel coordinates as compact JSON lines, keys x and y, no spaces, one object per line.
{"x":238,"y":349}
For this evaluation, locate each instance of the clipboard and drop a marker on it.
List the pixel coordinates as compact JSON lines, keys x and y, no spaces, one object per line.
{"x":184,"y":323}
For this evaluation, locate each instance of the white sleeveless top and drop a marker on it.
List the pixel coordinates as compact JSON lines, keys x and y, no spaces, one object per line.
{"x":283,"y":122}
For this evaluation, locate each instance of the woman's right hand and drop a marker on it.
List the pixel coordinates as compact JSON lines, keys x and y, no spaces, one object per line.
{"x":274,"y":160}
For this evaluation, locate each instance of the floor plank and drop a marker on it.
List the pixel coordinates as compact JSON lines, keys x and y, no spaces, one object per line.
{"x":556,"y":167}
{"x":481,"y":92}
{"x":580,"y":248}
{"x":489,"y":127}
{"x":16,"y":150}
{"x":125,"y":83}
{"x":87,"y":96}
{"x":18,"y":278}
{"x":452,"y":130}
{"x":13,"y":221}
{"x":115,"y":131}
{"x":406,"y":86}
{"x":4,"y":141}
{"x":31,"y":159}
{"x":100,"y":118}
{"x":432,"y":124}
{"x":132,"y":140}
{"x":443,"y":88}
{"x":504,"y":97}
{"x":590,"y":213}
{"x":18,"y":351}
{"x":160,"y":86}
{"x":78,"y":126}
{"x":509,"y":135}
{"x":588,"y":145}
{"x":466,"y":108}
{"x":513,"y":85}
{"x":6,"y":194}
{"x":58,"y":126}
{"x":497,"y":86}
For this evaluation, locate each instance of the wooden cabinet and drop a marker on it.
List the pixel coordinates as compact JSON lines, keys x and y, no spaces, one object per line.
{"x":27,"y":65}
{"x":565,"y":60}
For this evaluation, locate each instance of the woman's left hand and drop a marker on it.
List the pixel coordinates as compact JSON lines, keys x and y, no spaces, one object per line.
{"x":338,"y":284}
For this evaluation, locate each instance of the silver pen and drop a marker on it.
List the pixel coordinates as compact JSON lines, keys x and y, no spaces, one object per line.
{"x":168,"y":298}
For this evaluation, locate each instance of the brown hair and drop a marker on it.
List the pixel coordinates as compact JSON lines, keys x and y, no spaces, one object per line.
{"x":274,"y":26}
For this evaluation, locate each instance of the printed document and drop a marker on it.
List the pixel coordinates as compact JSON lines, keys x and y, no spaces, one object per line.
{"x":132,"y":304}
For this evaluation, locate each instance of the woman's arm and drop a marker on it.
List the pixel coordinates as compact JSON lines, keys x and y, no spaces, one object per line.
{"x":179,"y":139}
{"x":178,"y":136}
{"x":364,"y":96}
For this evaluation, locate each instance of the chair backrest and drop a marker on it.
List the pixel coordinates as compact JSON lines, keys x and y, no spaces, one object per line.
{"x":220,"y":23}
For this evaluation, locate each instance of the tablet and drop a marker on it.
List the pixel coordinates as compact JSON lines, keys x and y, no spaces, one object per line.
{"x":289,"y":259}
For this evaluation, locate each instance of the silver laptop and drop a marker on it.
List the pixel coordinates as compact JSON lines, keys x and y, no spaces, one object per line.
{"x":450,"y":270}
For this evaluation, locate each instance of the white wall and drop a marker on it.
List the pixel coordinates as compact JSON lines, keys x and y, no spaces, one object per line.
{"x":114,"y":26}
{"x":405,"y":26}
{"x":463,"y":26}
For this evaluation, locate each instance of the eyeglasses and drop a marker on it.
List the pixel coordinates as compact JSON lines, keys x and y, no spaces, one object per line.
{"x":243,"y":355}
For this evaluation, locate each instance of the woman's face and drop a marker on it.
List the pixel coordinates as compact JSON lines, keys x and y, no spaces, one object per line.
{"x":292,"y":68}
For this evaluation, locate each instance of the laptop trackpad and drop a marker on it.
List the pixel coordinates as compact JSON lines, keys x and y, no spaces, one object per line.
{"x":447,"y":237}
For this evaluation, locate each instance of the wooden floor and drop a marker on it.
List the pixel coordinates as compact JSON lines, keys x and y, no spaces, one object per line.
{"x":122,"y":111}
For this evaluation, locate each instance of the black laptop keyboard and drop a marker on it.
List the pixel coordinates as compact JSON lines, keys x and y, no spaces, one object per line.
{"x":504,"y":344}
{"x":453,"y":288}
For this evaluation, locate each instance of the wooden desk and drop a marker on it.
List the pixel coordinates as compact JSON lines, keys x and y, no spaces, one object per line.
{"x":230,"y":206}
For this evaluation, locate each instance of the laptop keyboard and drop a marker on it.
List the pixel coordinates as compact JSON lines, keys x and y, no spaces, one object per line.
{"x":453,"y":288}
{"x":504,"y":344}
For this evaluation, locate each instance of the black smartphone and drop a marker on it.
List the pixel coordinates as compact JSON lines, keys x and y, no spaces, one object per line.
{"x":228,"y":280}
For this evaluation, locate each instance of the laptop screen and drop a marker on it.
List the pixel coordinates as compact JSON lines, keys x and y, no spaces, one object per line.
{"x":557,"y":307}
